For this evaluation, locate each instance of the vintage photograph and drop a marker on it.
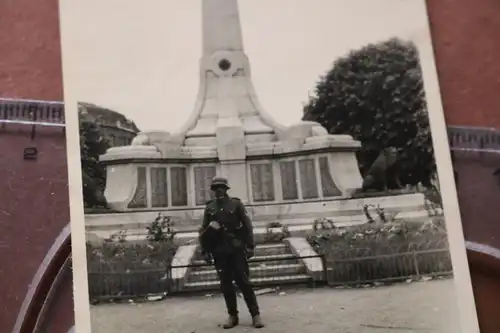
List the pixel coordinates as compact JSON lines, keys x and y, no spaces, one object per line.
{"x":249,"y":165}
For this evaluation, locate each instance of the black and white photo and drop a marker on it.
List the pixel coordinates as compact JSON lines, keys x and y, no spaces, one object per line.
{"x":302,"y":143}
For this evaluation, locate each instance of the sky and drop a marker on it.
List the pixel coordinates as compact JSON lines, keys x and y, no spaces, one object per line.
{"x":140,"y":58}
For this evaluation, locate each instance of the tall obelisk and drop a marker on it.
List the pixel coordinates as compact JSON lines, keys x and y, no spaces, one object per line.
{"x":221,"y":26}
{"x":226,"y":89}
{"x":227,"y":112}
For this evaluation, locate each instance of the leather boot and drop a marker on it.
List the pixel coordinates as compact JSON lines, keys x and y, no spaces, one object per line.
{"x":257,"y":322}
{"x":231,"y":322}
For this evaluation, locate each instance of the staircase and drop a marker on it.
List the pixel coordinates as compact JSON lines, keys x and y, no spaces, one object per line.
{"x":273,"y":264}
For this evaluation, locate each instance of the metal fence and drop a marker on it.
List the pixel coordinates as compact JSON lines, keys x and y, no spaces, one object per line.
{"x":474,"y":138}
{"x":389,"y":267}
{"x":198,"y":277}
{"x":473,"y":142}
{"x":31,"y":112}
{"x":355,"y":268}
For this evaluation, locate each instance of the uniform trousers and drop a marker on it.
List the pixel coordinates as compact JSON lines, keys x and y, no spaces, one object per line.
{"x":233,"y":266}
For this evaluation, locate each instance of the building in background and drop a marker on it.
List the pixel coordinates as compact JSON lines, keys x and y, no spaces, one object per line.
{"x":115,"y":127}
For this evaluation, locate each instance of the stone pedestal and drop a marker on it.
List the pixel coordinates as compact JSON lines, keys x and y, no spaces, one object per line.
{"x":235,"y":172}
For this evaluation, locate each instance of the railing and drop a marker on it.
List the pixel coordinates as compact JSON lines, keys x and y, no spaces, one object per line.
{"x":473,"y":141}
{"x":170,"y":279}
{"x":354,"y":268}
{"x":478,"y":145}
{"x":31,"y":112}
{"x":390,"y":267}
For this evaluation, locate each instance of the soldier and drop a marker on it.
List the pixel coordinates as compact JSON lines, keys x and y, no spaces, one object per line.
{"x":227,"y":236}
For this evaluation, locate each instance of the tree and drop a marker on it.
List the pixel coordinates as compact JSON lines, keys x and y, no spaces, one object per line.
{"x":376,"y":94}
{"x":92,"y":145}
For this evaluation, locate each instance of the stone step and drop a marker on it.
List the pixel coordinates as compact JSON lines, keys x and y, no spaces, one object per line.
{"x":258,"y":271}
{"x":272,"y":280}
{"x":263,"y":249}
{"x":271,"y":249}
{"x":276,"y":259}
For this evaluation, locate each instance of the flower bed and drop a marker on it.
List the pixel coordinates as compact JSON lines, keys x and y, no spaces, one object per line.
{"x":374,"y":252}
{"x":121,"y":269}
{"x":128,"y":270}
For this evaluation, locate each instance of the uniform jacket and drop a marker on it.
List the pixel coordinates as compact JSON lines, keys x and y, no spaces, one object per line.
{"x":236,"y":230}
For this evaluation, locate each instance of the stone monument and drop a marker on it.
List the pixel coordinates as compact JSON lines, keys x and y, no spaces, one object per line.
{"x":292,"y":175}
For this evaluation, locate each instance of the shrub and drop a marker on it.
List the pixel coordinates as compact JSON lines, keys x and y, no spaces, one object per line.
{"x":119,"y":268}
{"x":161,"y":229}
{"x":379,"y":239}
{"x":124,"y":256}
{"x":372,"y":252}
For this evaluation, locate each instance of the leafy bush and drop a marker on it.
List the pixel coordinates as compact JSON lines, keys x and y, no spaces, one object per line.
{"x":126,"y":256}
{"x":375,"y":239}
{"x":119,"y":268}
{"x":162,"y":229}
{"x":372,"y":252}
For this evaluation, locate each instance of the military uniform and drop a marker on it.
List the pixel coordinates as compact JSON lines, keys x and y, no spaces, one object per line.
{"x":230,"y":246}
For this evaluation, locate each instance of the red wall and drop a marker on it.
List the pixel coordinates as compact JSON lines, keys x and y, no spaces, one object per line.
{"x":30,"y":54}
{"x":465,"y":37}
{"x":34,"y":209}
{"x":479,"y":195}
{"x":33,"y":194}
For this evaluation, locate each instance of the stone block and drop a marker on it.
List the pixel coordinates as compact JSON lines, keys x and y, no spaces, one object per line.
{"x":180,"y":270}
{"x":301,"y":248}
{"x":93,"y":239}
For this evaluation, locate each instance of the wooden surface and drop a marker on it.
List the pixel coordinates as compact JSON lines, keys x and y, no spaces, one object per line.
{"x":465,"y":34}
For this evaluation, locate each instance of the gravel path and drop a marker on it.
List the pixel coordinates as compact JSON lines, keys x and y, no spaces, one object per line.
{"x":421,"y":307}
